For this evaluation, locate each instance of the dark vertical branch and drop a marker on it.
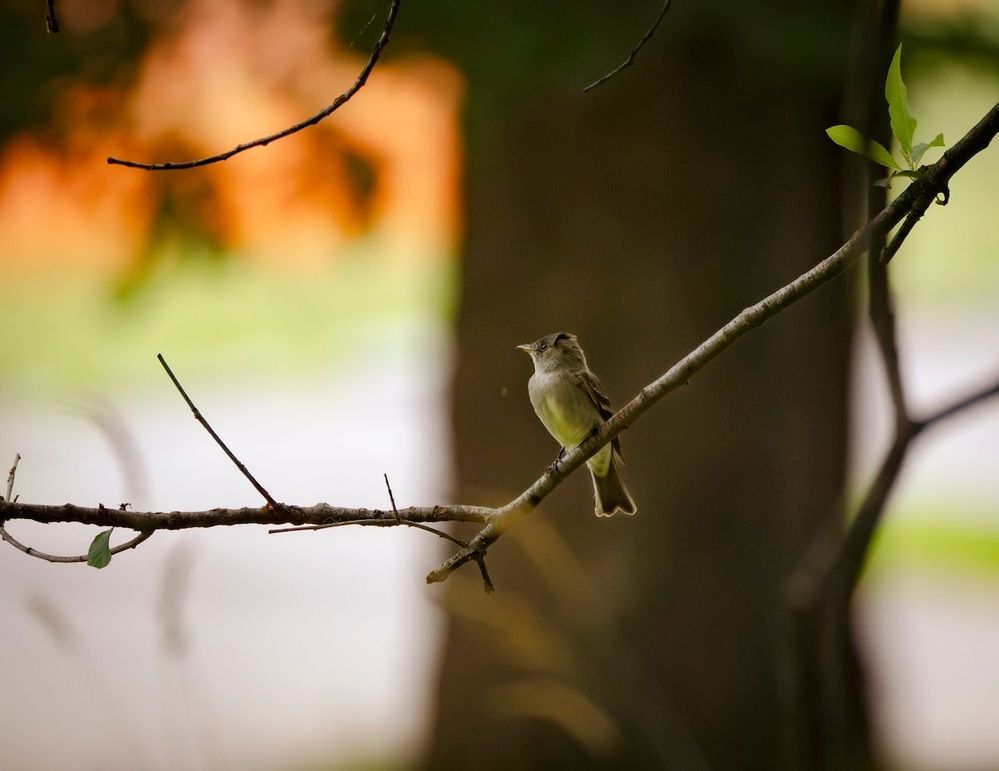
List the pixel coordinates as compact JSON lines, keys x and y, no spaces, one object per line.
{"x":880,"y":302}
{"x":51,"y":20}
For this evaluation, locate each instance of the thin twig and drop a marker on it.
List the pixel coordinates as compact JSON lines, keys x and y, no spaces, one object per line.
{"x":218,"y":440}
{"x":391,"y":497}
{"x":634,"y":51}
{"x":372,"y":523}
{"x":51,"y":20}
{"x":882,"y":318}
{"x":335,"y":105}
{"x":487,"y":582}
{"x":479,"y":558}
{"x":10,"y":478}
{"x":32,"y":552}
{"x":959,"y":405}
{"x":891,"y":249}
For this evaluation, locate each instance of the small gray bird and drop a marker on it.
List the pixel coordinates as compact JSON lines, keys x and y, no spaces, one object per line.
{"x":572,"y":404}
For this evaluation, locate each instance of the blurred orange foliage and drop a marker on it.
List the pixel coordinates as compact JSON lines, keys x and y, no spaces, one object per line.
{"x":221,"y":72}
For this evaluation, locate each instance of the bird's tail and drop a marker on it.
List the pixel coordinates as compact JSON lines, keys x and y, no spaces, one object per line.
{"x":611,"y":494}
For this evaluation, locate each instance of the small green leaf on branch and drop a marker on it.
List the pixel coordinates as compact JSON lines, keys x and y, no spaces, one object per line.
{"x":903,"y":125}
{"x":919,"y":150}
{"x":99,"y":554}
{"x":853,"y":140}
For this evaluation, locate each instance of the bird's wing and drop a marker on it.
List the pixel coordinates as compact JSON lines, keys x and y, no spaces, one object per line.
{"x":592,"y":387}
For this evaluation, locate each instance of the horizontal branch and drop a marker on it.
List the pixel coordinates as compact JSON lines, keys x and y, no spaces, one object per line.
{"x":319,"y":514}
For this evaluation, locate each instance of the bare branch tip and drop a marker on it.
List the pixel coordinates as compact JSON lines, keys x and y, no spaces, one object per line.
{"x":634,"y":51}
{"x":10,"y":477}
{"x":342,"y":99}
{"x":391,"y":496}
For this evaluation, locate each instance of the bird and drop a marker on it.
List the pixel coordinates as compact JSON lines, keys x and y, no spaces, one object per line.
{"x":571,"y":403}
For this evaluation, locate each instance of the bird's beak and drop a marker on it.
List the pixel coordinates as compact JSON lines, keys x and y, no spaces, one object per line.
{"x":526,"y":347}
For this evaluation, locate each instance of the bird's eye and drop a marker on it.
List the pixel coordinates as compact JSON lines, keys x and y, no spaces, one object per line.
{"x":543,"y":346}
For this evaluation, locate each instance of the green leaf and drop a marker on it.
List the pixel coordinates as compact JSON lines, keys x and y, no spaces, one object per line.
{"x":853,"y":140}
{"x":903,"y":125}
{"x":99,"y":555}
{"x":922,"y":147}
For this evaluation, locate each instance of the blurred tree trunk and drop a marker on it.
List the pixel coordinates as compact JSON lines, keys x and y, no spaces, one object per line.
{"x":642,"y":216}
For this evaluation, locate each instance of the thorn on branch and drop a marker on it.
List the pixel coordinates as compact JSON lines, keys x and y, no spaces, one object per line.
{"x":335,"y":105}
{"x":634,"y":51}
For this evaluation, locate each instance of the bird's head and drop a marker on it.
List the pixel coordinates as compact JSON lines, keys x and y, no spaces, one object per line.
{"x":555,"y":351}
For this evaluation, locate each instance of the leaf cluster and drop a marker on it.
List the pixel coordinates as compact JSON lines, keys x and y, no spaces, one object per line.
{"x":903,"y":127}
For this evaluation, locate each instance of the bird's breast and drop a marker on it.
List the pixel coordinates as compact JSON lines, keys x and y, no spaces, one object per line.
{"x":564,"y":408}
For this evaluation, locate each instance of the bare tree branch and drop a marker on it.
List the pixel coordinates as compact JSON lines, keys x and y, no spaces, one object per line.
{"x":32,"y":552}
{"x":397,"y":520}
{"x":959,"y":405}
{"x":819,"y":592}
{"x":336,"y":104}
{"x":218,"y":440}
{"x":634,"y":51}
{"x":319,"y":514}
{"x":882,"y":316}
{"x":915,"y":214}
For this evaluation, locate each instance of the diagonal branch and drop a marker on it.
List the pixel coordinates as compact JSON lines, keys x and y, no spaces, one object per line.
{"x":818,"y":594}
{"x":844,"y":573}
{"x":395,"y":521}
{"x":935,"y":178}
{"x":336,"y":104}
{"x":218,"y":440}
{"x":634,"y":51}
